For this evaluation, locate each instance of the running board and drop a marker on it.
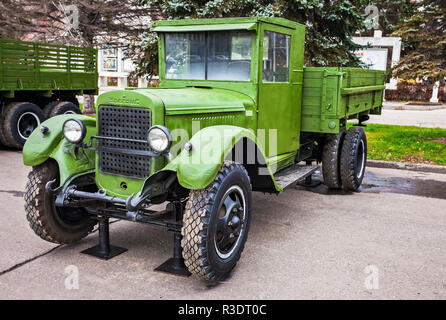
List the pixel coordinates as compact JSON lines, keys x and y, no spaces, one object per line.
{"x":293,"y":174}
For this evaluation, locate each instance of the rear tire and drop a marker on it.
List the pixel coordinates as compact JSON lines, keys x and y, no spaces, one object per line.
{"x":331,"y":158}
{"x":51,"y":223}
{"x":216,"y":223}
{"x":56,"y":108}
{"x":19,"y":121}
{"x":2,"y":137}
{"x":353,"y":158}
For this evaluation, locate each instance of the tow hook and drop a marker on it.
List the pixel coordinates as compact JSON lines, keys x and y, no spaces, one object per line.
{"x":49,"y":187}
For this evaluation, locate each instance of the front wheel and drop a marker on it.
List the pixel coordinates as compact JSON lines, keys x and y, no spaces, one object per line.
{"x":216,"y":223}
{"x":51,"y":223}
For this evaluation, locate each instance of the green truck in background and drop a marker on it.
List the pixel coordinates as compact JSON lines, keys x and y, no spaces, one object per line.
{"x":236,"y":111}
{"x":38,"y":81}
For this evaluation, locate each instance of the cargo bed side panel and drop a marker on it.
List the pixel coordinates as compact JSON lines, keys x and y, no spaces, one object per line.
{"x":331,"y":96}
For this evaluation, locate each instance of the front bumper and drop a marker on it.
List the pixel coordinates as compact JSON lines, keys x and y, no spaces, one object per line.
{"x":134,"y":208}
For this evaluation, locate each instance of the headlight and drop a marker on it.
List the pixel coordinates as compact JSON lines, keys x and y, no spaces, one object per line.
{"x":74,"y":130}
{"x":159,"y":139}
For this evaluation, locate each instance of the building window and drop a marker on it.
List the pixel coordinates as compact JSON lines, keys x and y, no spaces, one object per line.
{"x":110,"y":60}
{"x":112,"y":81}
{"x":276,"y":57}
{"x":132,"y":82}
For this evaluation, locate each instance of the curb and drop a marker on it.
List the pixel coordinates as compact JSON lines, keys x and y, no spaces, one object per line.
{"x":406,"y":166}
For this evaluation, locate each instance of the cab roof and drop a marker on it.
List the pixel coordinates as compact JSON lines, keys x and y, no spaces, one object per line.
{"x":220,"y":24}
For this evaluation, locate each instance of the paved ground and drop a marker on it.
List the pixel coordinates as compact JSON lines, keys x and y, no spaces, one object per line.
{"x":305,"y":243}
{"x":416,"y":116}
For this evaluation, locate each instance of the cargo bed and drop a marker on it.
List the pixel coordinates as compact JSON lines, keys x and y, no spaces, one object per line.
{"x":331,"y":96}
{"x":31,"y":66}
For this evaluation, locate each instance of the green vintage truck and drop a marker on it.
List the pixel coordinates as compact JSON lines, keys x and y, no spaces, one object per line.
{"x":38,"y":81}
{"x":236,"y":112}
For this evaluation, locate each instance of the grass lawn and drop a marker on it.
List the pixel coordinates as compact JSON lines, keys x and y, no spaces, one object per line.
{"x":406,"y":144}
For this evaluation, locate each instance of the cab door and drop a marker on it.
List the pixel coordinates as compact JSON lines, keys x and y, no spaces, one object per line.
{"x":280,"y":90}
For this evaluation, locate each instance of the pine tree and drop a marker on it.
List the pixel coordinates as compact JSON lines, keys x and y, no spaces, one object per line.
{"x":424,"y":39}
{"x":330,"y":26}
{"x":76,"y":22}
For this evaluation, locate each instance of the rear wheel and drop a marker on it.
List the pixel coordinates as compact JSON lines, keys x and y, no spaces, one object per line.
{"x":19,"y":121}
{"x":51,"y":223}
{"x":2,"y":137}
{"x":56,"y":108}
{"x":353,"y":158}
{"x":216,"y":223}
{"x":331,"y":158}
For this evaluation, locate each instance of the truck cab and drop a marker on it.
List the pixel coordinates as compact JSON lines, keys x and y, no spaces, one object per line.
{"x":235,"y":112}
{"x":261,"y":58}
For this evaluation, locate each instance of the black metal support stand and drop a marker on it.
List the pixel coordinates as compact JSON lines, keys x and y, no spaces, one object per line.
{"x":104,"y":250}
{"x":309,"y":182}
{"x":175,"y":265}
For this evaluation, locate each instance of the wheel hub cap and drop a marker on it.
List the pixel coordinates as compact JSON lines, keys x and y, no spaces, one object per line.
{"x":230,"y":224}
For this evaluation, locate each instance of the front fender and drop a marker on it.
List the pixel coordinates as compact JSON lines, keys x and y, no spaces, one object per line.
{"x":210,"y":147}
{"x":39,"y":148}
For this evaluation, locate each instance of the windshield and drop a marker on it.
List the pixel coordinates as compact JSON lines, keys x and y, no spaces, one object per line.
{"x":208,"y":55}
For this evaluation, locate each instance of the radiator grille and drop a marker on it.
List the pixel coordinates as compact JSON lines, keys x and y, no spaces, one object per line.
{"x":124,"y":158}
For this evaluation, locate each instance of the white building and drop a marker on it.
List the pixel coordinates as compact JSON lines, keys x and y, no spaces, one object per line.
{"x":114,"y":71}
{"x":383,"y":53}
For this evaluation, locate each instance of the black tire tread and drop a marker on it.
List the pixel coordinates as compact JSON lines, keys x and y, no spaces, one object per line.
{"x":6,"y":125}
{"x":2,"y":136}
{"x":351,"y":141}
{"x":35,"y":208}
{"x":196,"y":223}
{"x":331,"y":158}
{"x":54,"y":109}
{"x":48,"y":108}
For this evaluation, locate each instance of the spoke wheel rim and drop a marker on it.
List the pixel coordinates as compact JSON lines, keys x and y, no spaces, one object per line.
{"x":26,"y":124}
{"x":230,"y":222}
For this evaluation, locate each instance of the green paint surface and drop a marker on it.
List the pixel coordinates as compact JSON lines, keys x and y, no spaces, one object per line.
{"x":39,"y":148}
{"x":280,"y":100}
{"x":40,"y":68}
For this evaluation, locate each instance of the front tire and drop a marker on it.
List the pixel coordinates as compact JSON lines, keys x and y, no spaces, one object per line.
{"x":216,"y":223}
{"x":51,"y":223}
{"x":353,"y":158}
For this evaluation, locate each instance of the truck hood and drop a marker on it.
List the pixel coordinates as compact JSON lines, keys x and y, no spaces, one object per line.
{"x":193,"y":100}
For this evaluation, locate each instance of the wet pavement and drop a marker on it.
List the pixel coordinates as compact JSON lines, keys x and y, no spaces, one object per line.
{"x":384,"y":242}
{"x":417,"y":184}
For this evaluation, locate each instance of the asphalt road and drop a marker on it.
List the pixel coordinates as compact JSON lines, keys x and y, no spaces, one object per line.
{"x":422,"y":117}
{"x":386,"y":241}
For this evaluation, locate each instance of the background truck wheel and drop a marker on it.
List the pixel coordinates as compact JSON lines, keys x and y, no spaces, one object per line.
{"x":58,"y":225}
{"x":2,"y":137}
{"x":353,"y":158}
{"x":331,"y":158}
{"x":216,"y":223}
{"x":56,"y":108}
{"x":19,"y":121}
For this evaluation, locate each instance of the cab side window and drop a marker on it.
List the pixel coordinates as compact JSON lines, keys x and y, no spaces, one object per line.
{"x":276,"y":57}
